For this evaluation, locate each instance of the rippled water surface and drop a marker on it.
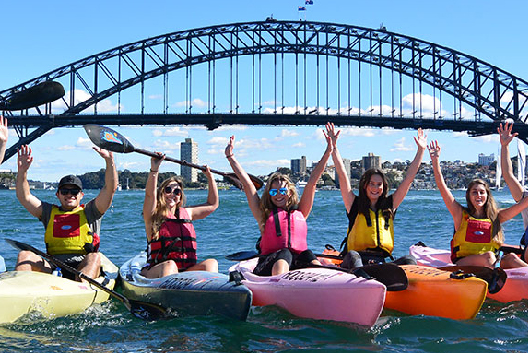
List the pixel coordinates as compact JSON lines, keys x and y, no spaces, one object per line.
{"x":110,"y":328}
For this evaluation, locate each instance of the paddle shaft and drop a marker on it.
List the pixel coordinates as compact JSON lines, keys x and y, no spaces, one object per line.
{"x":68,"y":268}
{"x":185,"y":163}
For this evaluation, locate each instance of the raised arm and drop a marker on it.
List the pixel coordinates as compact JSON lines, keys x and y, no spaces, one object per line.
{"x":204,"y":210}
{"x":247,"y":185}
{"x":506,"y":214}
{"x":452,"y":205}
{"x":3,"y":137}
{"x":403,"y":188}
{"x":26,"y":199}
{"x":149,"y":204}
{"x":506,"y":136}
{"x":344,"y":183}
{"x":103,"y":201}
{"x":306,"y":202}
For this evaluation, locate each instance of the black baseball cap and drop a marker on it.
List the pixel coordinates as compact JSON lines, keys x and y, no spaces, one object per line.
{"x":70,"y":180}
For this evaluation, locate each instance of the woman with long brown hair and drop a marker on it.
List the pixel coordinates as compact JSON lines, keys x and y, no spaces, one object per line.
{"x":478,"y":233}
{"x":171,"y":239}
{"x":370,"y":235}
{"x":281,"y":216}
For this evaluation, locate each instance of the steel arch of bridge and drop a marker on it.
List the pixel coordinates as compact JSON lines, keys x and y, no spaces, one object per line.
{"x":492,"y":93}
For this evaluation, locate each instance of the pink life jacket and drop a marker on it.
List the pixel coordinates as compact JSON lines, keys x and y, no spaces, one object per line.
{"x":176,"y":241}
{"x":284,"y":229}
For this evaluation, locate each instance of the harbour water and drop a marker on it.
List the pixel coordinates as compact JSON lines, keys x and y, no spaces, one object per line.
{"x":110,"y":328}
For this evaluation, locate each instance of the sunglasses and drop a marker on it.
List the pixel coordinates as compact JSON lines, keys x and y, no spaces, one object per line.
{"x":175,"y":191}
{"x":282,"y":191}
{"x":72,"y":192}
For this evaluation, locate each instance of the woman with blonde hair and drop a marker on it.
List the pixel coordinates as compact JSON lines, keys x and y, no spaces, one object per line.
{"x":171,"y":239}
{"x":281,"y":217}
{"x":478,"y":233}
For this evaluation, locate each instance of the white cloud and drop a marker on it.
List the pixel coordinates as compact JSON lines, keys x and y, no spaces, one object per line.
{"x":66,"y":148}
{"x":155,"y":96}
{"x":84,"y":143}
{"x":172,"y":131}
{"x":299,"y":145}
{"x":400,"y":145}
{"x":104,"y":106}
{"x":164,"y":145}
{"x":288,"y":133}
{"x":197,"y":102}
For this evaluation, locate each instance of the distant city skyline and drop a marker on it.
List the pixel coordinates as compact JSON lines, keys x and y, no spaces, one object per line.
{"x":33,"y":49}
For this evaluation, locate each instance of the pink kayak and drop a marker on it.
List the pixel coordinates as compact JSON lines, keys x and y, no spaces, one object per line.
{"x":514,"y":289}
{"x":317,"y":293}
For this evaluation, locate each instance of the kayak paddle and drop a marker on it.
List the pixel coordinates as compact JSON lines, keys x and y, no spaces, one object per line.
{"x":44,"y":92}
{"x":142,"y":310}
{"x":391,"y":275}
{"x":111,"y":140}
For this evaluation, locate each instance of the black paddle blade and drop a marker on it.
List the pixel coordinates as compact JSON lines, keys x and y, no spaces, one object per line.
{"x":391,"y":275}
{"x":44,"y":92}
{"x":242,"y":255}
{"x":108,"y":139}
{"x":148,"y":311}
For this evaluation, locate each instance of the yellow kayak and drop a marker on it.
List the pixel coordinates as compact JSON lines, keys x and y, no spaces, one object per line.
{"x":22,"y":292}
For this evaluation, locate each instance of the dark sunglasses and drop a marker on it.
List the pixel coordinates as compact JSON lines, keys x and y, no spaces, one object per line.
{"x":72,"y":192}
{"x":282,"y":191}
{"x":175,"y":191}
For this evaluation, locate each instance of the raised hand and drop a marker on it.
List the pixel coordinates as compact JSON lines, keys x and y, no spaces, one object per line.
{"x":332,"y":134}
{"x":434,"y":150}
{"x":24,"y":158}
{"x":230,"y":147}
{"x":105,"y":154}
{"x":156,"y":161}
{"x":421,"y":139}
{"x":505,"y":134}
{"x":3,"y":130}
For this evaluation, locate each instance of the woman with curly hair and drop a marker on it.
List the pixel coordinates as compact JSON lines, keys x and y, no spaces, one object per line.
{"x":171,"y":239}
{"x":281,"y":217}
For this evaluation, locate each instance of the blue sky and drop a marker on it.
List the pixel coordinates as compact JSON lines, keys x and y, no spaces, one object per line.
{"x":37,"y":37}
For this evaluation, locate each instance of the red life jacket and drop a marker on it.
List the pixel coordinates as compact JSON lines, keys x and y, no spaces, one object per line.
{"x":284,"y":229}
{"x":176,"y":241}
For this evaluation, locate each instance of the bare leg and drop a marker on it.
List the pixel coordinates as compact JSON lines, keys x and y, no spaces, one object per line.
{"x":29,"y":261}
{"x":91,"y":265}
{"x":512,"y":261}
{"x":210,"y":265}
{"x":280,"y":267}
{"x":163,"y":269}
{"x":487,"y":259}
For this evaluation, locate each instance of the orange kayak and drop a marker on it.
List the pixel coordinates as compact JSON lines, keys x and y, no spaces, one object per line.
{"x":434,"y":292}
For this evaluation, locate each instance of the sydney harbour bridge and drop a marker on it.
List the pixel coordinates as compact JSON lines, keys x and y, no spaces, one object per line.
{"x":272,"y":73}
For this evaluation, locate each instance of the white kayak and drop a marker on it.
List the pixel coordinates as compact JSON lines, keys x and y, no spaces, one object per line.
{"x":187,"y":293}
{"x":515,"y":288}
{"x":23,"y":292}
{"x":317,"y":293}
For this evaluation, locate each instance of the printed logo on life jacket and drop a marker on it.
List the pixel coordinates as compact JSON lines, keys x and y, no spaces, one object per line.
{"x":66,"y":226}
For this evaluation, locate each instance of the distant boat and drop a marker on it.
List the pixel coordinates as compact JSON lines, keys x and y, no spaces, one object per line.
{"x":119,"y":187}
{"x":300,"y":186}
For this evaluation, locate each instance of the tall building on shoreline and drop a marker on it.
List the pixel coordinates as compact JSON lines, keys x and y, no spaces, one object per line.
{"x":298,"y":166}
{"x":371,"y":161}
{"x":189,"y":153}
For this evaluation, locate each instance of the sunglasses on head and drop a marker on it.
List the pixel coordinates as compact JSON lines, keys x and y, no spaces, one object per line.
{"x":176,"y":191}
{"x":282,"y":191}
{"x":72,"y":192}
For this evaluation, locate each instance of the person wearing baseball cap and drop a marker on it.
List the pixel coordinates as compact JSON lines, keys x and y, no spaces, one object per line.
{"x":71,"y":229}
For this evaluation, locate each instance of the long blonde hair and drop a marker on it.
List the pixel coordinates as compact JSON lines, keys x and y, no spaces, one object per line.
{"x":491,"y":210}
{"x":162,"y":212}
{"x":266,"y":205}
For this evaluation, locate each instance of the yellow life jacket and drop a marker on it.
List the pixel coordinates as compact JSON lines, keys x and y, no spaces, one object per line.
{"x":474,"y":237}
{"x":68,"y":232}
{"x":375,"y":233}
